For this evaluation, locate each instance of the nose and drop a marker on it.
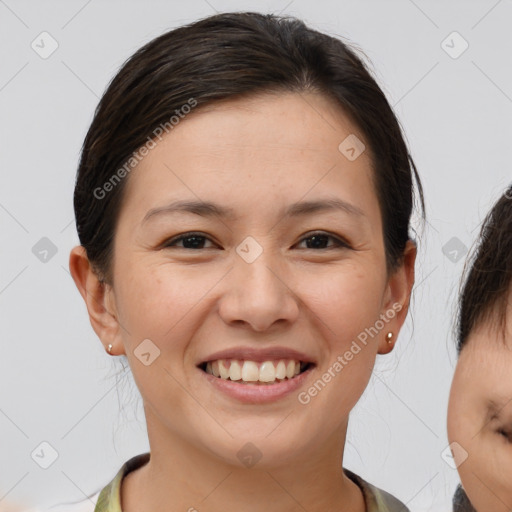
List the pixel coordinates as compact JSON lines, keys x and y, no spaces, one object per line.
{"x":259,"y":293}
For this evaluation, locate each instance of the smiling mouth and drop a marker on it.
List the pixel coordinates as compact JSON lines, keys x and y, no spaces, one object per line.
{"x":252,"y":372}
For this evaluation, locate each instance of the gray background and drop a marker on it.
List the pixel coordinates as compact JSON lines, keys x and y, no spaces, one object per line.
{"x":57,"y":384}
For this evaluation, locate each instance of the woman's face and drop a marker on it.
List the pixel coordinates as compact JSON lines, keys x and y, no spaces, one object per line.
{"x":254,"y":285}
{"x":480,"y":418}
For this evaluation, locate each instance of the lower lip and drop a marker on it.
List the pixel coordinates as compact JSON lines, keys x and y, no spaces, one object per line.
{"x":258,"y":393}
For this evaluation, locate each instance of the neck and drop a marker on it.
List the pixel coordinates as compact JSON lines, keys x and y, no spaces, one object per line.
{"x":180,"y":476}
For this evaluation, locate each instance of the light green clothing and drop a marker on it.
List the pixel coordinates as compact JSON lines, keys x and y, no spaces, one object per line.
{"x":376,"y":500}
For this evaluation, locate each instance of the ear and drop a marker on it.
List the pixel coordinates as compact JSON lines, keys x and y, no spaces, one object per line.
{"x":99,"y":299}
{"x":397,"y":297}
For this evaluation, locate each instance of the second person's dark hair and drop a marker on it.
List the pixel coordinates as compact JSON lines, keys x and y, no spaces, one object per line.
{"x":488,"y":273}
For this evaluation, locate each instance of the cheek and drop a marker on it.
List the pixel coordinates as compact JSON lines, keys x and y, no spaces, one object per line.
{"x":340,"y":303}
{"x":487,"y":482}
{"x":464,"y":415}
{"x":459,"y":418}
{"x":154,"y":299}
{"x":351,"y":300}
{"x":485,"y":472}
{"x":462,"y":423}
{"x":349,"y":306}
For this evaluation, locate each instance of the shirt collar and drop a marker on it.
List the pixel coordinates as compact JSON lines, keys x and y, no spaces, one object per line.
{"x":376,"y":500}
{"x":109,"y":499}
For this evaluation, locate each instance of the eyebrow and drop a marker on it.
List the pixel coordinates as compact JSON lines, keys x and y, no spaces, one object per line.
{"x":495,"y":408}
{"x":209,"y":209}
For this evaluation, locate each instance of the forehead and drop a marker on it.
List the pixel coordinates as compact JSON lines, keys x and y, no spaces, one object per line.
{"x":488,"y":346}
{"x":485,"y":367}
{"x":269,"y":148}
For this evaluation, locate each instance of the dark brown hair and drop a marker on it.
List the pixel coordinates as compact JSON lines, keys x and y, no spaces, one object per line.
{"x":487,"y":277}
{"x":228,"y":56}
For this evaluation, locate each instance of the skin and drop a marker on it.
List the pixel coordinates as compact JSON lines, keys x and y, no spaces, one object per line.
{"x":258,"y":156}
{"x":483,"y":375}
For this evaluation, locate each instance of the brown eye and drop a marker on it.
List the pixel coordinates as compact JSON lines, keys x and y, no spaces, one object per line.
{"x":319,"y":238}
{"x":190,"y":240}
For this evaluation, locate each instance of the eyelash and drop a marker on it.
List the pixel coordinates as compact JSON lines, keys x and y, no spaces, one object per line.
{"x":339,"y":243}
{"x":502,"y":432}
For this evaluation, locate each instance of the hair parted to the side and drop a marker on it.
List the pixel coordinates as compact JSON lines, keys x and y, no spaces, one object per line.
{"x":228,"y":56}
{"x":487,"y":277}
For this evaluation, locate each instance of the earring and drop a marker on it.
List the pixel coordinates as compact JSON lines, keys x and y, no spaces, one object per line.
{"x":389,"y":337}
{"x":110,"y":348}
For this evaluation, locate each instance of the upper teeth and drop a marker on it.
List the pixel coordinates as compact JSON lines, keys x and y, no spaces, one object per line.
{"x":250,"y":371}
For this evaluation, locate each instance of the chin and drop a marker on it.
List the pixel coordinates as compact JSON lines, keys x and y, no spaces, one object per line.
{"x":265,"y":452}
